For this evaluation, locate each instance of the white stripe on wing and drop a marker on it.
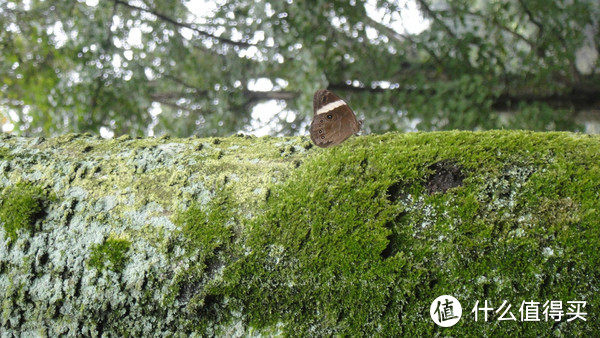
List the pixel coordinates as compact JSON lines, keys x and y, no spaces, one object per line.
{"x":330,"y":106}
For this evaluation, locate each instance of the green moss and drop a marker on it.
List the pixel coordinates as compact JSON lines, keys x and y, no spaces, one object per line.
{"x":354,"y":243}
{"x":20,"y":205}
{"x":208,"y":232}
{"x":112,"y":254}
{"x":4,"y":153}
{"x":208,"y":228}
{"x":143,"y":165}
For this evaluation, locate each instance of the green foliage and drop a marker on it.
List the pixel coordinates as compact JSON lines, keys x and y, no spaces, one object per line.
{"x":69,"y":67}
{"x":20,"y":205}
{"x":112,"y":253}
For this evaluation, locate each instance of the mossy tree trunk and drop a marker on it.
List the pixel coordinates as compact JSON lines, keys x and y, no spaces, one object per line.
{"x":238,"y":236}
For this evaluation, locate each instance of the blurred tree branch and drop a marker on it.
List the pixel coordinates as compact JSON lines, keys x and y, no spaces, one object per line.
{"x":183,"y":25}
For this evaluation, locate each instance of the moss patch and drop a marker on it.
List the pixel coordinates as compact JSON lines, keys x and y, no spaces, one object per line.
{"x":4,"y":153}
{"x":356,"y":242}
{"x":20,"y":205}
{"x":207,"y":234}
{"x":111,"y":254}
{"x":207,"y":228}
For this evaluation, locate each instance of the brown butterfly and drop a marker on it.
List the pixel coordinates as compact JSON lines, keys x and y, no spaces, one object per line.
{"x":333,"y":121}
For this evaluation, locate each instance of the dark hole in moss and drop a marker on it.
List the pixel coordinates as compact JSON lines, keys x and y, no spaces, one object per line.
{"x":211,"y":308}
{"x":55,"y":310}
{"x":213,"y":266}
{"x":393,"y":238}
{"x":486,"y":290}
{"x":77,"y":292}
{"x":433,"y":283}
{"x":393,"y":192}
{"x":87,"y":149}
{"x":547,"y":284}
{"x":44,"y":258}
{"x":445,"y":175}
{"x":102,"y":320}
{"x":188,"y":290}
{"x":364,"y":163}
{"x":144,"y":283}
{"x":392,"y":247}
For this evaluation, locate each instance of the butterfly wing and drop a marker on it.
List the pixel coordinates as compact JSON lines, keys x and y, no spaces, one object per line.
{"x":324,"y":130}
{"x":334,"y":123}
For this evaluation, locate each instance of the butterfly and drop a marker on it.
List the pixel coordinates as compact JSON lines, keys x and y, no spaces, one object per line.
{"x":333,"y":120}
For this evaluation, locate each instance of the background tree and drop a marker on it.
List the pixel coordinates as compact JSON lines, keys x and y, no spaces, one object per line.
{"x":147,"y":67}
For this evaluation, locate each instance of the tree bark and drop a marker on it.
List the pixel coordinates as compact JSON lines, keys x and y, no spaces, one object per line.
{"x":241,"y":235}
